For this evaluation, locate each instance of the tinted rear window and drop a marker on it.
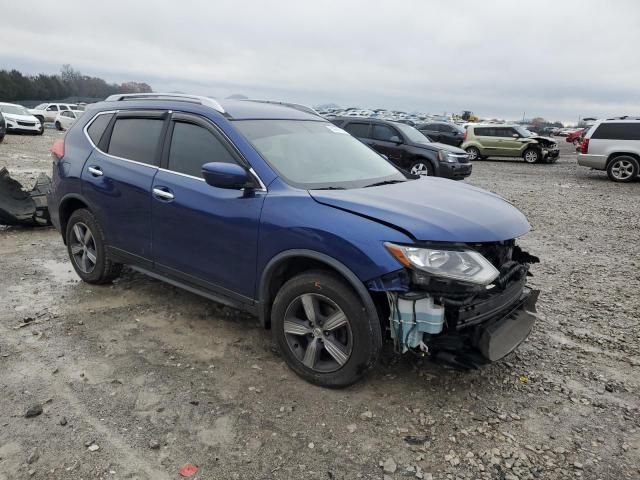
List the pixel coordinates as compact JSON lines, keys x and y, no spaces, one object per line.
{"x":358,"y":129}
{"x":98,"y":126}
{"x":618,"y":131}
{"x":193,"y":146}
{"x":136,"y":139}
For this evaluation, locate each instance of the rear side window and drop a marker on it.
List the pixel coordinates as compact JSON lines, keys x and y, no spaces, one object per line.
{"x":98,"y":126}
{"x":63,"y":107}
{"x":485,"y":132}
{"x":384,"y":133}
{"x":136,"y":139}
{"x":193,"y":146}
{"x":358,"y":129}
{"x":618,"y":131}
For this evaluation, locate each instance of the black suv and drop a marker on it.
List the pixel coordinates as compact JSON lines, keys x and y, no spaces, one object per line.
{"x":408,"y":148}
{"x":443,"y":132}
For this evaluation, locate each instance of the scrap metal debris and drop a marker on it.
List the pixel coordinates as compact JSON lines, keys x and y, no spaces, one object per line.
{"x":21,"y":207}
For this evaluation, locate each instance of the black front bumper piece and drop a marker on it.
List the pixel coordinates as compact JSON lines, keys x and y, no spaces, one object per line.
{"x":501,"y":336}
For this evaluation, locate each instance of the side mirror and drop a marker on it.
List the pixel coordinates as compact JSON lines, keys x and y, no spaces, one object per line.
{"x":225,"y":175}
{"x":395,"y":139}
{"x":515,"y":135}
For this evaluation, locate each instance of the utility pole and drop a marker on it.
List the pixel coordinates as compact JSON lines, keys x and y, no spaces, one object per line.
{"x":523,"y":114}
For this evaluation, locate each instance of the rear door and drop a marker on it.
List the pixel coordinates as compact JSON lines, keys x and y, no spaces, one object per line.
{"x":432,"y":130}
{"x":486,"y":136}
{"x":117,"y":179}
{"x":202,"y":235}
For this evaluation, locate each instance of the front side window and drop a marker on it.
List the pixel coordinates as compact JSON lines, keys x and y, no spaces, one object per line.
{"x":52,"y":108}
{"x":192,"y":146}
{"x":316,"y":154}
{"x":136,"y":139}
{"x":384,"y":133}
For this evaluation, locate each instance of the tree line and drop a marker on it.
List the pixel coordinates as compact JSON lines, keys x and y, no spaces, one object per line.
{"x":68,"y":83}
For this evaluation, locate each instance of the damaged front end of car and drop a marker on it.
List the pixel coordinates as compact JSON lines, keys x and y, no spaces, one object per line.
{"x":464,"y":305}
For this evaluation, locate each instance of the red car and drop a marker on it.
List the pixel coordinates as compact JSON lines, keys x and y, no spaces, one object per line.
{"x":576,"y":136}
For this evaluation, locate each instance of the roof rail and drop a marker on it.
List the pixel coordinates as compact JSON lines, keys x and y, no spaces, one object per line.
{"x":297,"y":106}
{"x":624,"y":117}
{"x":179,"y":97}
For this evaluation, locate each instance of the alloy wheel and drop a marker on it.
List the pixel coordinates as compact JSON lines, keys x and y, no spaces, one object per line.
{"x":83,"y":248}
{"x":318,"y":332}
{"x":419,"y":169}
{"x":473,"y":154}
{"x":622,"y":169}
{"x":531,"y":156}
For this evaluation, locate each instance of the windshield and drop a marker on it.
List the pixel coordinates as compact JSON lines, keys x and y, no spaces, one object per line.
{"x":14,"y":110}
{"x":317,"y":155}
{"x":524,"y":132}
{"x":414,"y":135}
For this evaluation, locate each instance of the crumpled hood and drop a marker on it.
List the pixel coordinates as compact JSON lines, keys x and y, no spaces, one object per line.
{"x":433,"y":209}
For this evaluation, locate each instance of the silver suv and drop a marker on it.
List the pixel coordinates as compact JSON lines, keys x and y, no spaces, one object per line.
{"x":613,"y":145}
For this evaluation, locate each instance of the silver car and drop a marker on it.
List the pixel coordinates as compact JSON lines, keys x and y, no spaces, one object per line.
{"x":613,"y":145}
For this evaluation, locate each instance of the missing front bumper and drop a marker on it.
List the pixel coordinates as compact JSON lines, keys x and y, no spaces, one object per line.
{"x":502,"y":336}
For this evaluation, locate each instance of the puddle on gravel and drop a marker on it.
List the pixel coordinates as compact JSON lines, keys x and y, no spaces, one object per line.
{"x":63,"y":272}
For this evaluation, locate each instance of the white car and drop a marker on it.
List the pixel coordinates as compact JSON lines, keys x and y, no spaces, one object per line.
{"x":20,"y":120}
{"x":47,"y":112}
{"x":67,"y":118}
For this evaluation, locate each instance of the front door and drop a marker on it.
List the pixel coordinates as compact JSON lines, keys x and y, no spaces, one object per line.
{"x":203,"y":235}
{"x":387,"y":141}
{"x":117,"y":179}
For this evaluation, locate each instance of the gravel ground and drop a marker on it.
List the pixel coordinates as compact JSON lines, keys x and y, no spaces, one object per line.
{"x":136,"y":379}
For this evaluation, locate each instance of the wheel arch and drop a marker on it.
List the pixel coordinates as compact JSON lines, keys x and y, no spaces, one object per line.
{"x":614,"y":155}
{"x":421,"y":156}
{"x":68,"y":205}
{"x":289,"y":263}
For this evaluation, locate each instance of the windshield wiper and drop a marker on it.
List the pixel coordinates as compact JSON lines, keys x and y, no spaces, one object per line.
{"x":329,"y":188}
{"x":386,"y":182}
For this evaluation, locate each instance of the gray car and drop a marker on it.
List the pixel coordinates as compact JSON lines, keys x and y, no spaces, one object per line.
{"x":613,"y":145}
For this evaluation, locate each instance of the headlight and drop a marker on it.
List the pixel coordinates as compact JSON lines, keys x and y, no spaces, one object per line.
{"x":463,"y":265}
{"x":444,"y":156}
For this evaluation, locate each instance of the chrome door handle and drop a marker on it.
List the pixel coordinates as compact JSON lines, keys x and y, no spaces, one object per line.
{"x":158,"y":192}
{"x":95,"y":171}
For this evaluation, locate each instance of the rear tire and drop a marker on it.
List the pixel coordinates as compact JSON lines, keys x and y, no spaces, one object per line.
{"x":86,"y":248}
{"x":532,"y":155}
{"x":474,"y":153}
{"x":623,"y":169}
{"x":335,"y":344}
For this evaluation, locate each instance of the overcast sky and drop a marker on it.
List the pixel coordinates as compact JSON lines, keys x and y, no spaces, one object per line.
{"x":557,"y":59}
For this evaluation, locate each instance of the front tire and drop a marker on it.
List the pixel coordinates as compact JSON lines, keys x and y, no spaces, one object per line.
{"x":474,"y":153}
{"x":86,"y":248}
{"x":422,"y":167}
{"x":531,"y":155}
{"x":323,"y":331}
{"x":58,"y":126}
{"x":623,"y":169}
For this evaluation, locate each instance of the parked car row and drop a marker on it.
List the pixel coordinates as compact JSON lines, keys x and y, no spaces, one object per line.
{"x":19,"y":120}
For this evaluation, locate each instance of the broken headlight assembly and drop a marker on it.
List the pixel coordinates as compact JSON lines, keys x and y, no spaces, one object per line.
{"x":463,"y":265}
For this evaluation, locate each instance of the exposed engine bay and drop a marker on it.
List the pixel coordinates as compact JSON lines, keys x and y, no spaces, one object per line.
{"x":462,"y":324}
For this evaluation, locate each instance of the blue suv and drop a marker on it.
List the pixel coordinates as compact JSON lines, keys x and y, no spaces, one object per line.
{"x":269,"y":208}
